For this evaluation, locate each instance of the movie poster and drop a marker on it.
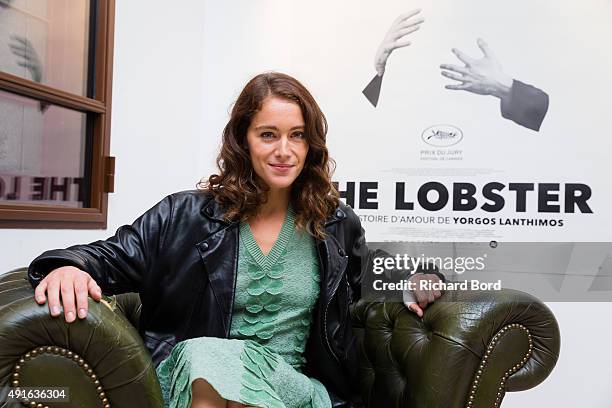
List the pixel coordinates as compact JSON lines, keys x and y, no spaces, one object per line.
{"x":451,"y":120}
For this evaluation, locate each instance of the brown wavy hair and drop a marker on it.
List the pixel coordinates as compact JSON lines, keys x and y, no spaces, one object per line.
{"x":239,"y":190}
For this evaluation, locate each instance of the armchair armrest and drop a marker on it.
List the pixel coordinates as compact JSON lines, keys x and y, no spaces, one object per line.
{"x":469,"y":349}
{"x":101,"y":359}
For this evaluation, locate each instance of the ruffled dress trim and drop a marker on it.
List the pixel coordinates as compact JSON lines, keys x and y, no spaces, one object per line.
{"x":257,"y":388}
{"x":266,"y":274}
{"x":306,"y":320}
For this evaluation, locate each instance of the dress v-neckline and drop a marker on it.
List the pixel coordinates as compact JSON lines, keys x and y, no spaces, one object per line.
{"x":277,"y":249}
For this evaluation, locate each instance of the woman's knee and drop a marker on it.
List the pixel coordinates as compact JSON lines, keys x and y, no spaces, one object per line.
{"x":200,"y":386}
{"x":203,"y":394}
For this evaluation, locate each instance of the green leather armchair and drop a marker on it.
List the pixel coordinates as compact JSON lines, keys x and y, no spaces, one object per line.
{"x":467,"y":351}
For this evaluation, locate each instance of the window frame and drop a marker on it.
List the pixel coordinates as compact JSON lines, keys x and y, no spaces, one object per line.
{"x":98,"y":110}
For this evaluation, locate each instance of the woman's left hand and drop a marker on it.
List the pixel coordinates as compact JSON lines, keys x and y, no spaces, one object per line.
{"x":396,"y":38}
{"x":418,"y":299}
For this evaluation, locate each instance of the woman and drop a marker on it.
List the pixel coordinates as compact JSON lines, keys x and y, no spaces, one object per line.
{"x":245,"y":284}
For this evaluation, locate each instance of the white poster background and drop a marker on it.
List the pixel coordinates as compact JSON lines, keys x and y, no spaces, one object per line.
{"x":561,"y":47}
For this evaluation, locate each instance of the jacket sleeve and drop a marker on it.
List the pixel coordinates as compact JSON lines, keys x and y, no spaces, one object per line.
{"x":525,"y":105}
{"x":118,"y":264}
{"x":361,"y":258}
{"x":358,"y":254}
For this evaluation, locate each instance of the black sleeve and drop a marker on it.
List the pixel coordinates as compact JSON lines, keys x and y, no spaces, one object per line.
{"x":118,"y":264}
{"x":358,"y":254}
{"x":361,"y":258}
{"x":525,"y":105}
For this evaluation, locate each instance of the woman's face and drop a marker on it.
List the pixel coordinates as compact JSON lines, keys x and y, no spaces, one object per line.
{"x":277,"y":143}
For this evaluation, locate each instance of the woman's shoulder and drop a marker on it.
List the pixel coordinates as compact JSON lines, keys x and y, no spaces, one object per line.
{"x":188,"y":200}
{"x":194,"y":196}
{"x":345,"y":217}
{"x":344,"y":211}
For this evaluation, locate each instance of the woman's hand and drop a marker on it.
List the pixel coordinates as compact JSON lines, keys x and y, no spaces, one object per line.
{"x":71,"y":282}
{"x":418,"y":299}
{"x":396,"y":38}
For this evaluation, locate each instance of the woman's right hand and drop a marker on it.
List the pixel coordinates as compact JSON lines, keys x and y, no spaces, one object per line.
{"x":72,"y":283}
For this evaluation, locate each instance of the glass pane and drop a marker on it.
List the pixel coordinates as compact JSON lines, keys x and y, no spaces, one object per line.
{"x":43,"y":153}
{"x":46,"y":41}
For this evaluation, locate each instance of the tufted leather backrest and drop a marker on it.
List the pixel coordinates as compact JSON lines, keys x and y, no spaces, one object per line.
{"x":129,"y":304}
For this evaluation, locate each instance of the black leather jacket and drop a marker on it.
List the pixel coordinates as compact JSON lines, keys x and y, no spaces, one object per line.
{"x":181,"y":257}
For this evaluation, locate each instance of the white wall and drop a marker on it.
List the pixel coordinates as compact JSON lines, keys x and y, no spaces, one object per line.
{"x":161,"y":147}
{"x":583,"y":375}
{"x":156,"y":133}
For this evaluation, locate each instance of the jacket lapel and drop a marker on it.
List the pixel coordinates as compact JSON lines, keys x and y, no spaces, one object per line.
{"x":219,"y":253}
{"x":331,"y":255}
{"x":335,"y":263}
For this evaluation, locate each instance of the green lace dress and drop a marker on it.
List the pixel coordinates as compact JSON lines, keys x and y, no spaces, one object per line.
{"x":260,"y":364}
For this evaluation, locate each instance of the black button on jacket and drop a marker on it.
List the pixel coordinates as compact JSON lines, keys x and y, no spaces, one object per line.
{"x":181,"y":256}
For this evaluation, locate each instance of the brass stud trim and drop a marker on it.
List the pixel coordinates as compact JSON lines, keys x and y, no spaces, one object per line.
{"x":507,"y":374}
{"x":57,"y":351}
